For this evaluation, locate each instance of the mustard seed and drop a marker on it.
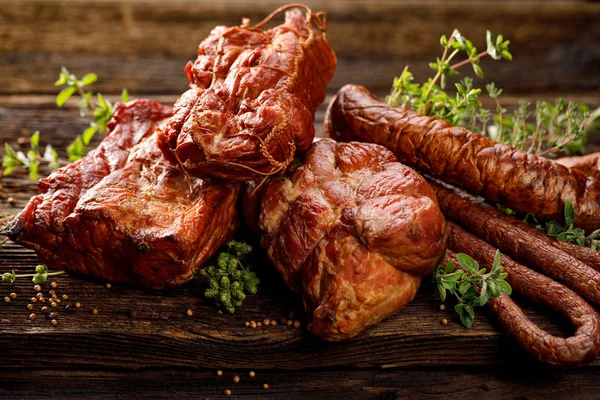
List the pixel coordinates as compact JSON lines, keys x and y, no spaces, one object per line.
{"x":42,"y":300}
{"x":54,"y":322}
{"x":444,"y":321}
{"x":44,"y":309}
{"x":13,"y":296}
{"x":266,"y":321}
{"x":30,"y":307}
{"x":219,"y":373}
{"x":442,"y":307}
{"x":39,"y":295}
{"x":246,"y":324}
{"x":108,"y":285}
{"x":32,"y":317}
{"x":252,"y":374}
{"x":54,"y":285}
{"x":37,"y":288}
{"x":7,"y":299}
{"x":189,"y":313}
{"x":34,"y":299}
{"x":53,"y":304}
{"x":94,"y":311}
{"x":289,"y":322}
{"x":252,"y":324}
{"x":265,"y":386}
{"x":296,"y":324}
{"x":10,"y":200}
{"x":227,"y":392}
{"x":77,"y":305}
{"x":65,"y":297}
{"x":52,"y":292}
{"x":273,"y":322}
{"x":54,"y":297}
{"x":259,"y":323}
{"x":236,"y":379}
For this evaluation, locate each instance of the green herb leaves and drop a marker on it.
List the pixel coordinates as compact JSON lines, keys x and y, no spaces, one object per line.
{"x":497,"y":47}
{"x":102,"y":108}
{"x":567,"y":232}
{"x":30,"y":160}
{"x":429,"y":98}
{"x":559,"y":126}
{"x":471,"y":286}
{"x":229,"y":281}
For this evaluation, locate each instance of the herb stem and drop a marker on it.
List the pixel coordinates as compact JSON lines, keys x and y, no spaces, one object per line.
{"x":469,"y":60}
{"x":55,"y":273}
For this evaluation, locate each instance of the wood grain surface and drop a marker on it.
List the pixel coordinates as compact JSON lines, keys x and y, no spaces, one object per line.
{"x":141,"y":344}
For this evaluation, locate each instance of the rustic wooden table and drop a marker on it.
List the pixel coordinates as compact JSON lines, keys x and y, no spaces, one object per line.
{"x":142,"y":344}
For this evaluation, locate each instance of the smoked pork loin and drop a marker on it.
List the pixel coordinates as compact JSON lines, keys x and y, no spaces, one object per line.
{"x":124,"y":213}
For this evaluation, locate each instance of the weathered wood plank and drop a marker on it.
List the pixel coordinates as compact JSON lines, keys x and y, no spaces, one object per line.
{"x":518,"y":382}
{"x":144,"y":45}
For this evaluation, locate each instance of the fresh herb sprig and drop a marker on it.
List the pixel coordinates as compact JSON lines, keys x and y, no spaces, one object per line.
{"x":471,"y":286}
{"x":103,"y":108}
{"x":41,"y":275}
{"x":32,"y":159}
{"x":567,"y":232}
{"x":552,"y":127}
{"x":230,"y":280}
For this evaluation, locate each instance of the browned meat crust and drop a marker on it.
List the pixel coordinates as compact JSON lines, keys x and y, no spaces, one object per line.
{"x":524,"y":244}
{"x":588,"y":164}
{"x":352,"y":230}
{"x":124,"y":213}
{"x":582,"y":346}
{"x":501,"y":174}
{"x":252,"y":98}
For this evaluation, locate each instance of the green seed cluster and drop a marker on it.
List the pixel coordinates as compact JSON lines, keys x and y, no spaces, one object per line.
{"x":229,"y":281}
{"x":40,"y":276}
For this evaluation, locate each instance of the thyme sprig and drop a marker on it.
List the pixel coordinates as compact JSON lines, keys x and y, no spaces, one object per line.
{"x":103,"y":108}
{"x":30,"y":160}
{"x":230,"y":280}
{"x":552,"y":127}
{"x":471,"y":286}
{"x":41,"y":275}
{"x":567,"y":232}
{"x":102,"y":111}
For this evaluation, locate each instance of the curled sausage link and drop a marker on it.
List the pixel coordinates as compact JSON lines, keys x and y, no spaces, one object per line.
{"x":583,"y":346}
{"x":527,"y":246}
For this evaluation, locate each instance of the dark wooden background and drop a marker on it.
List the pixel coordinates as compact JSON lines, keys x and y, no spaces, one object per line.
{"x":141,"y":344}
